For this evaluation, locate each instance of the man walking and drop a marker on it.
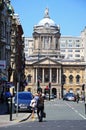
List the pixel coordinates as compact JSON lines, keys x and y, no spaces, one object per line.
{"x":40,"y":107}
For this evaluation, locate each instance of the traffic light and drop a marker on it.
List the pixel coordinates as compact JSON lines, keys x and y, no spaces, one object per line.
{"x":83,"y":87}
{"x":38,"y":84}
{"x":39,"y":89}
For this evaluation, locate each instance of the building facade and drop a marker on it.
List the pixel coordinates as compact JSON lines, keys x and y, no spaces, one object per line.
{"x":54,"y":62}
{"x":12,"y":57}
{"x":72,"y":47}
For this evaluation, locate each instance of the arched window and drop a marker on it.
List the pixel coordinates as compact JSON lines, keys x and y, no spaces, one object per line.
{"x":54,"y":75}
{"x":29,"y":78}
{"x":70,"y":79}
{"x":77,"y":79}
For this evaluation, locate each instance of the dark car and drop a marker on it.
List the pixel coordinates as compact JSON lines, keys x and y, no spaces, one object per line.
{"x":22,"y":101}
{"x":69,"y":97}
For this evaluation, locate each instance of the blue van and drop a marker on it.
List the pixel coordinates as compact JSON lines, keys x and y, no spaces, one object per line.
{"x":22,"y":101}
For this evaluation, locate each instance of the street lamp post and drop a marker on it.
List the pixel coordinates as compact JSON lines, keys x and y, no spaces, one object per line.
{"x":49,"y":89}
{"x":62,"y":84}
{"x":38,"y":77}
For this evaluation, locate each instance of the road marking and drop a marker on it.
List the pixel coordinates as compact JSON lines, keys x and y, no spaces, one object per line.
{"x":82,"y":116}
{"x":76,"y":111}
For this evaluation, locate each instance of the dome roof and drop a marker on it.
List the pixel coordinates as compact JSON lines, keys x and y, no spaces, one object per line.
{"x":46,"y":20}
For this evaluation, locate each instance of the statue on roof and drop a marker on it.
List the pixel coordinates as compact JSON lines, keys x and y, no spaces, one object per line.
{"x":46,"y":13}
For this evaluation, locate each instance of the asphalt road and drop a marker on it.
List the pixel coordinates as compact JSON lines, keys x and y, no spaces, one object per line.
{"x":65,"y":110}
{"x":61,"y":115}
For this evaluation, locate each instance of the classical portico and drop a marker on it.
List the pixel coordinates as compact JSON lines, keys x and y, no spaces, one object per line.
{"x":47,"y":71}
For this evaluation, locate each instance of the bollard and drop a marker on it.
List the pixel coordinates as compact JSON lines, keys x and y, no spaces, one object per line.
{"x":49,"y":94}
{"x":11,"y":108}
{"x":85,"y":108}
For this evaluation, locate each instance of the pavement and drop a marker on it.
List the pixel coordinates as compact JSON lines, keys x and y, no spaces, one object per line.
{"x":15,"y":118}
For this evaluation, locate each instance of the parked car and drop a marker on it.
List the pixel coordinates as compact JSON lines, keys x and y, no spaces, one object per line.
{"x":69,"y":97}
{"x":47,"y":96}
{"x":23,"y":99}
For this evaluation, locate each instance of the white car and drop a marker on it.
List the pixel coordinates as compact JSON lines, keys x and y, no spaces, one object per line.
{"x":47,"y":96}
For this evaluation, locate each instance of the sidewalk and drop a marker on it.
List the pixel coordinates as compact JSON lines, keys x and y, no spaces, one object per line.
{"x":16,"y":117}
{"x":5,"y":119}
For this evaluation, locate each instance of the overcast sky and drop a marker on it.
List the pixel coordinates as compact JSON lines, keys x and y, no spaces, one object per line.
{"x":69,"y":14}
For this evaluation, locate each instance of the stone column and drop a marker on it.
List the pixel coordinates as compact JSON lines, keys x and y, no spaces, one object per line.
{"x":36,"y":75}
{"x":57,"y":75}
{"x":60,"y":75}
{"x":50,"y":74}
{"x":43,"y":75}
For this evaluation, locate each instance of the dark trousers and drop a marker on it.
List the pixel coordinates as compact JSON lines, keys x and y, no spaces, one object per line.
{"x":40,"y":111}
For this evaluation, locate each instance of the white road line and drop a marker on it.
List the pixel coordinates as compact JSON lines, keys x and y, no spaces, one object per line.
{"x":76,"y":111}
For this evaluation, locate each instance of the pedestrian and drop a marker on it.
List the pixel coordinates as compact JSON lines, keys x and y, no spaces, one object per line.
{"x":40,"y":107}
{"x":7,"y":95}
{"x":36,"y":96}
{"x":77,"y":97}
{"x":2,"y":97}
{"x":33,"y":105}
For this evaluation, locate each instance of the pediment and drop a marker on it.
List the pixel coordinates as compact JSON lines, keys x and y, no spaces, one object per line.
{"x":47,"y":61}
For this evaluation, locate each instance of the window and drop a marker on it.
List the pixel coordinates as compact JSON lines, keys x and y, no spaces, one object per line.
{"x":77,"y":79}
{"x":29,"y":78}
{"x":77,"y":50}
{"x":70,"y":45}
{"x":62,"y":45}
{"x":70,"y":79}
{"x":39,"y":74}
{"x":70,"y":41}
{"x":54,"y":75}
{"x":77,"y":40}
{"x":46,"y":77}
{"x":70,"y":50}
{"x":62,"y":50}
{"x":46,"y":41}
{"x":77,"y":45}
{"x":77,"y":55}
{"x":62,"y":41}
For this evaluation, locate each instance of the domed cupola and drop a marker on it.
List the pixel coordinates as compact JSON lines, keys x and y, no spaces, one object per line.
{"x":46,"y":36}
{"x":46,"y":21}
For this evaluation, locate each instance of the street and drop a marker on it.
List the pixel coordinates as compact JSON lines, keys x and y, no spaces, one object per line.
{"x":61,"y":115}
{"x":65,"y":110}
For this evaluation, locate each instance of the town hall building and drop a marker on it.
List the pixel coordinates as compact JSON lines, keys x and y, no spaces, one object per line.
{"x":47,"y":68}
